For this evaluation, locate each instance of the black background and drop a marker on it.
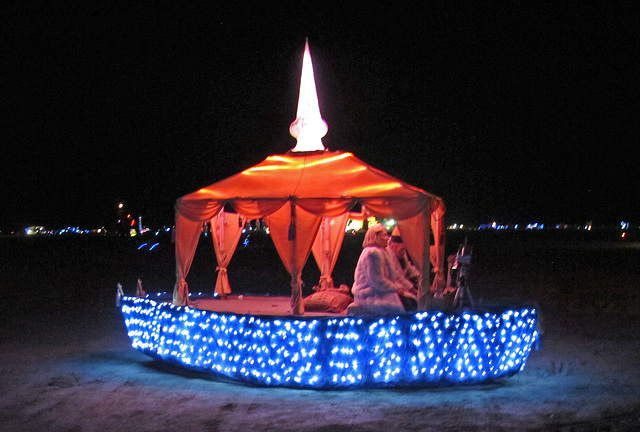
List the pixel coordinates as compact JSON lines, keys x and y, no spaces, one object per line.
{"x":510,"y":111}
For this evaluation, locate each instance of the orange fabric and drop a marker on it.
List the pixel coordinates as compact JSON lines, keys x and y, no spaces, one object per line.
{"x":319,"y":184}
{"x":326,"y":247}
{"x":226,"y":229}
{"x":326,"y":207}
{"x":186,"y":241}
{"x":415,"y":235}
{"x":437,"y":249}
{"x":326,"y":175}
{"x":256,"y":209}
{"x":293,"y":231}
{"x":199,"y":210}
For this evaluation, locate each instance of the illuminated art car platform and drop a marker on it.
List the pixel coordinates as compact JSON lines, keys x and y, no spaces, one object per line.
{"x":417,"y":349}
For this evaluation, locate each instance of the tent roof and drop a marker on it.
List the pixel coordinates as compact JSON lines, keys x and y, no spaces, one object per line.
{"x":310,"y":175}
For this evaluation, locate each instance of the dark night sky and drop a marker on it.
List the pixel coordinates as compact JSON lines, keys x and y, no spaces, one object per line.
{"x":516,"y":111}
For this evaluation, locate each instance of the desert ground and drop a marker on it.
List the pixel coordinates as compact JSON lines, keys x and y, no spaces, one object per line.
{"x":67,"y":365}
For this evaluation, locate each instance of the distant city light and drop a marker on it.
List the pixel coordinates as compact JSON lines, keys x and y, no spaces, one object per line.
{"x":536,"y":226}
{"x":455,"y":226}
{"x":623,"y":229}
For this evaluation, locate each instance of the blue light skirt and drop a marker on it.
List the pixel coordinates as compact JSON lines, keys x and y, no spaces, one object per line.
{"x":419,"y":349}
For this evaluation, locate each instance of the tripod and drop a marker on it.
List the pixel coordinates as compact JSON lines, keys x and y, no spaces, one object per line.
{"x":463,"y":297}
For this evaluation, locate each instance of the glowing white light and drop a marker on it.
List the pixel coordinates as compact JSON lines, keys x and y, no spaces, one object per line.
{"x":308,"y":127}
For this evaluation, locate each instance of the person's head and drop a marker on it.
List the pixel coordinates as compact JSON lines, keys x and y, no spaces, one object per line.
{"x":376,"y":235}
{"x":398,"y":248}
{"x":396,"y":244}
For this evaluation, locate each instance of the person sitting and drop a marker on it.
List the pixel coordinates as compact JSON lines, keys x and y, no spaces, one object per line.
{"x":406,"y":269}
{"x":376,"y":286}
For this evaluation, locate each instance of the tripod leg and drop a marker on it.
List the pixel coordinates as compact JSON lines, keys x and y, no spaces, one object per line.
{"x":468,"y":294}
{"x":456,"y":298}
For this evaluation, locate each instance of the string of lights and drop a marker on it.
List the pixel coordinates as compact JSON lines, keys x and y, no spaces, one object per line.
{"x":418,"y":349}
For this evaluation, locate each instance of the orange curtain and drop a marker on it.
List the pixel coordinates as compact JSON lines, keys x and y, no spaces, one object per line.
{"x":415,"y":235}
{"x":256,"y":209}
{"x":187,"y":235}
{"x":293,"y":231}
{"x":327,"y":245}
{"x":226,"y":229}
{"x":398,"y":208}
{"x":437,"y":249}
{"x":325,"y":207}
{"x":198,"y":209}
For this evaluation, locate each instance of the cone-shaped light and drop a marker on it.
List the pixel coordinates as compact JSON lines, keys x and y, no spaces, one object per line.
{"x":309,"y":127}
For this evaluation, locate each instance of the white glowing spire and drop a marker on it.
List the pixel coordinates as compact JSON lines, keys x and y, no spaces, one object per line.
{"x":309,"y":127}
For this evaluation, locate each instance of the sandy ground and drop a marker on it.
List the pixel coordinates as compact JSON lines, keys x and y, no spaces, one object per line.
{"x":72,"y":368}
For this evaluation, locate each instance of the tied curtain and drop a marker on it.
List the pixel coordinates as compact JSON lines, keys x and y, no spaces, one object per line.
{"x":190,"y":216}
{"x":187,"y":234}
{"x":415,"y":235}
{"x":293,"y":231}
{"x":437,"y":250}
{"x":226,"y":229}
{"x":327,"y":245}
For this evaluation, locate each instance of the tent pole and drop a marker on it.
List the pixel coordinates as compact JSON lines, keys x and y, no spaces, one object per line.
{"x":424,"y":294}
{"x":297,"y":307}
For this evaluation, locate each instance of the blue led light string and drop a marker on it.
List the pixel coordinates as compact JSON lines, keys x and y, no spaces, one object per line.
{"x":424,"y":348}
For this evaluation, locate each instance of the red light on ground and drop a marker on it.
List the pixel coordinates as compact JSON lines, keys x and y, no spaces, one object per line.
{"x":623,"y":235}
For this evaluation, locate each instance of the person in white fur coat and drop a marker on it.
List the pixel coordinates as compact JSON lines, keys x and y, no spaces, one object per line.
{"x":377,"y":286}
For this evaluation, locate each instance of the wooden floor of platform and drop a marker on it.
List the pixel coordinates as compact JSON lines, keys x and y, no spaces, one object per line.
{"x":254,"y":305}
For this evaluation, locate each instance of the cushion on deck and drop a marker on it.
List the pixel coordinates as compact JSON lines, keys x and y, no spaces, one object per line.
{"x":328,"y":300}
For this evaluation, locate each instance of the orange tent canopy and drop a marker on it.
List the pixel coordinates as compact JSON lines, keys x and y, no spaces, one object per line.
{"x":293,"y":192}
